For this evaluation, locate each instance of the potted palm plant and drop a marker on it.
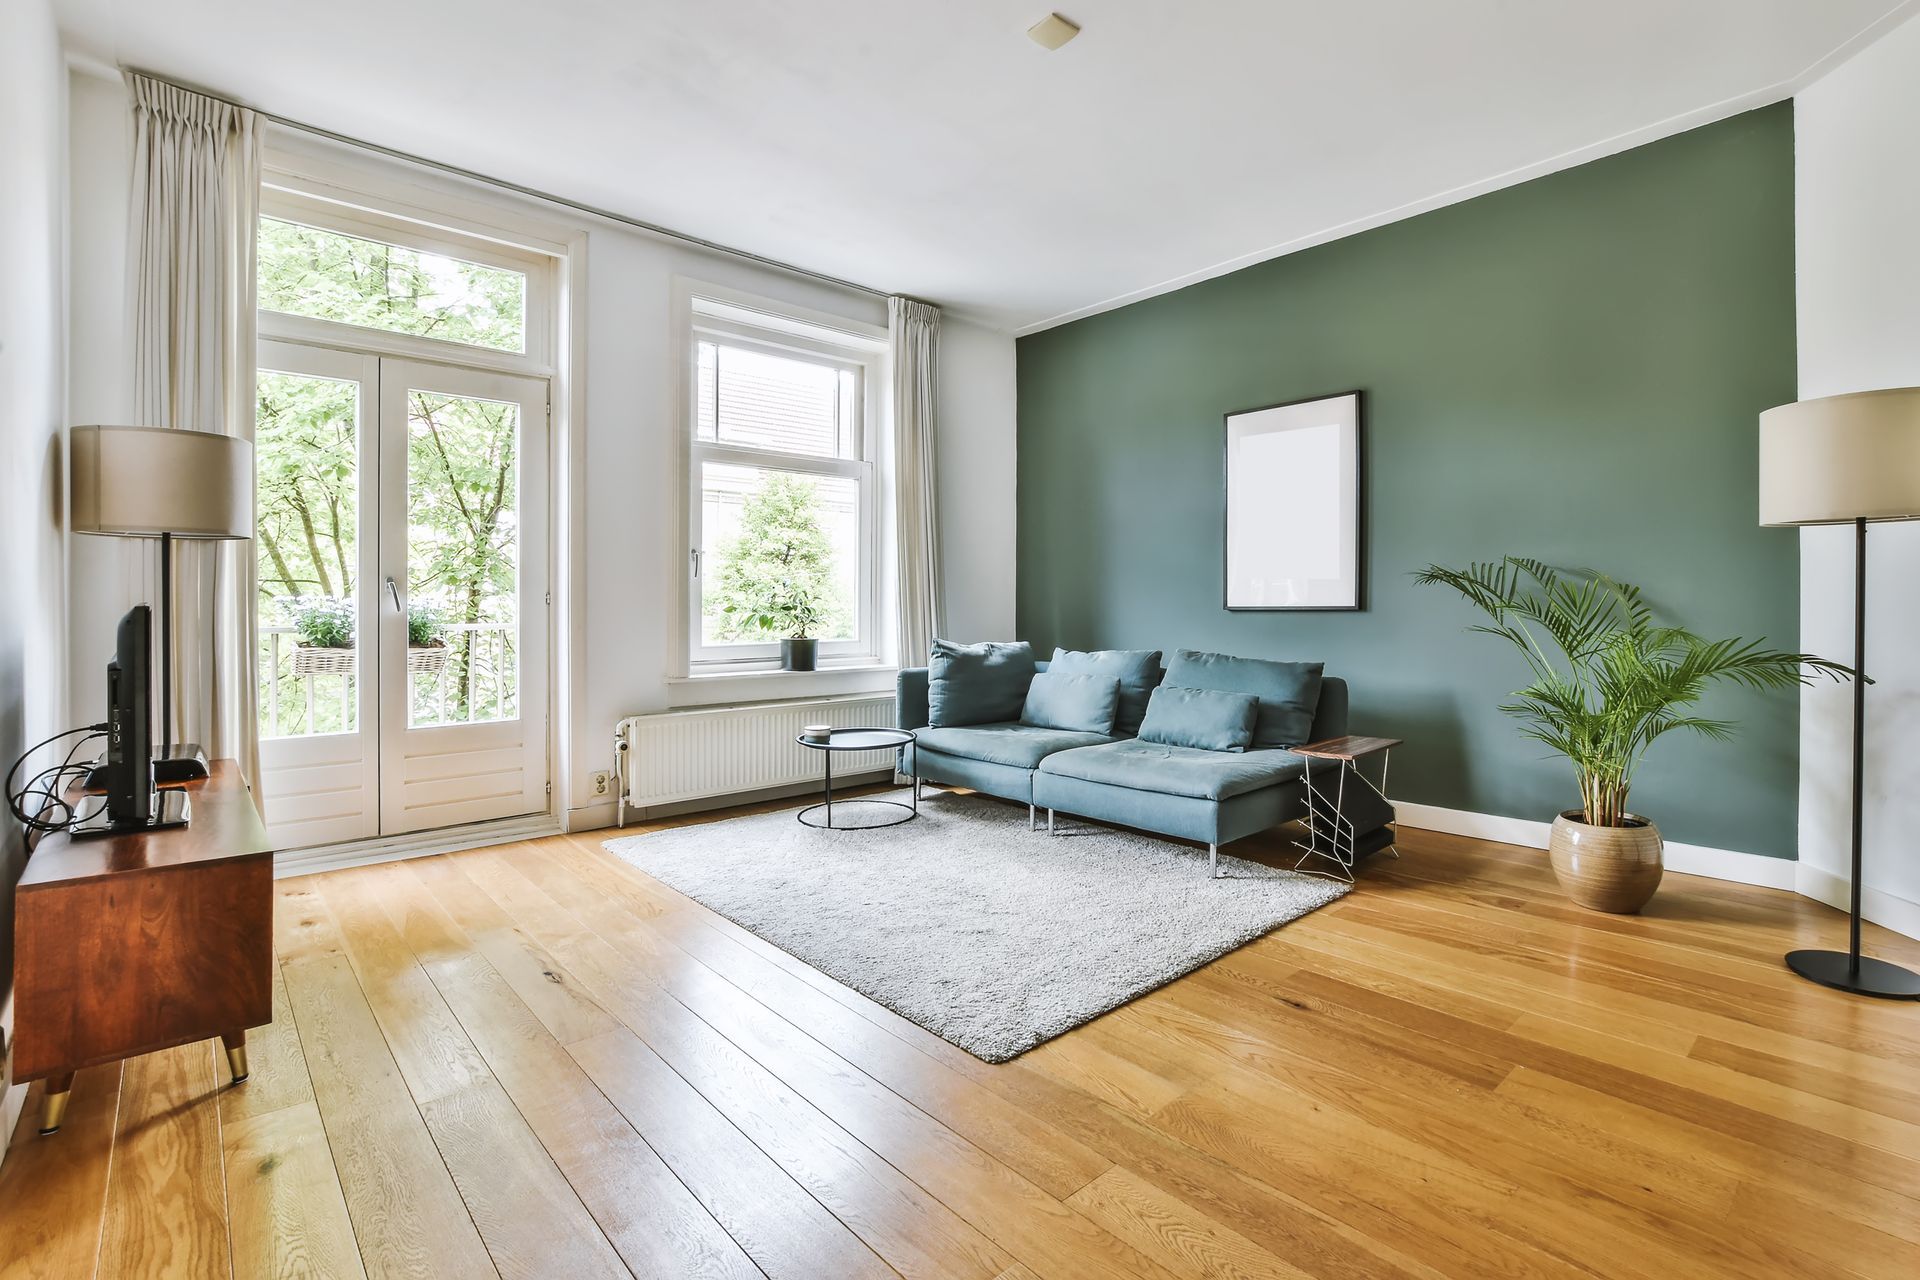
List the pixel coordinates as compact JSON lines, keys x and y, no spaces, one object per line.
{"x":1612,"y":683}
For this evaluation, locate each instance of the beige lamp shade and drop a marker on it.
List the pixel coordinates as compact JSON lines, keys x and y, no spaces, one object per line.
{"x":1841,"y":458}
{"x":142,"y":482}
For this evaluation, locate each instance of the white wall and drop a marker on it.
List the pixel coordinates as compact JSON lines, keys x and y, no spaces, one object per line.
{"x":32,"y":409}
{"x":99,"y":368}
{"x":631,"y":538}
{"x":1857,"y":183}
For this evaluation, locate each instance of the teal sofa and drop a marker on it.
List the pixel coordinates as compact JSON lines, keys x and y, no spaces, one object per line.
{"x":1212,"y":797}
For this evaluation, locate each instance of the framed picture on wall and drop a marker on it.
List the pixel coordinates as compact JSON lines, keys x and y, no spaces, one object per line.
{"x":1293,"y":501}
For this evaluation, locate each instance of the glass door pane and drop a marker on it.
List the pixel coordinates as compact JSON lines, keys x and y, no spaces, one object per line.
{"x":463,"y":559}
{"x":307,"y":453}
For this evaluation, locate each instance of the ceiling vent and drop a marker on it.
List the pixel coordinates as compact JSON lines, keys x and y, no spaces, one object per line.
{"x":1052,"y":31}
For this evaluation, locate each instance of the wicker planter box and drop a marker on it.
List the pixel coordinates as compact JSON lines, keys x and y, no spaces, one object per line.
{"x":311,"y":661}
{"x":428,"y":660}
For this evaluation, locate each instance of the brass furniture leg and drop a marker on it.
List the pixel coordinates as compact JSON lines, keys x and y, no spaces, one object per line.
{"x":236,"y":1042}
{"x":54,"y":1106}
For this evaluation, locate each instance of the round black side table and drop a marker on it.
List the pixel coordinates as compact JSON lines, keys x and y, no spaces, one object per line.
{"x":858,"y":740}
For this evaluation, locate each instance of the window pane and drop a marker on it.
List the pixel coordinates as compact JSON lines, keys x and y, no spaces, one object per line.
{"x":782,"y":555}
{"x":761,"y":401}
{"x":463,"y":559}
{"x":305,"y":271}
{"x":706,"y":392}
{"x":306,"y":554}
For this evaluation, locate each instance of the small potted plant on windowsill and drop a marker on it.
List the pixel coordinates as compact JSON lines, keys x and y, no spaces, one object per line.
{"x":323,"y":630}
{"x":1618,"y":682}
{"x":426,"y":640}
{"x":785,"y":603}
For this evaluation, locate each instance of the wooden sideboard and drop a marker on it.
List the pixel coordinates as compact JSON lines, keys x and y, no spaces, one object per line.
{"x":128,"y":944}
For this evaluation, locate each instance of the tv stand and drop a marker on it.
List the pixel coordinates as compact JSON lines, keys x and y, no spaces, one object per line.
{"x":136,"y":941}
{"x":170,"y":807}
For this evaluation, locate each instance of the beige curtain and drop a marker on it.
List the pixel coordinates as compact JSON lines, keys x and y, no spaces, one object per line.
{"x":914,"y":329}
{"x":196,"y":195}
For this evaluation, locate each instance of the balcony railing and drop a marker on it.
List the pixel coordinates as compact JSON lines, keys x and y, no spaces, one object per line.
{"x":478,"y":681}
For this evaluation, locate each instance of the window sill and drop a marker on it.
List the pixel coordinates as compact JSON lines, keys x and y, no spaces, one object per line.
{"x":710,"y":687}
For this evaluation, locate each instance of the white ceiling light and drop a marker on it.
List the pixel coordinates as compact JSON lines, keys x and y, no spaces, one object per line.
{"x":1052,"y":31}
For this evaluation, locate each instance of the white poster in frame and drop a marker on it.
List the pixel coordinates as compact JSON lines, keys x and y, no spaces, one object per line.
{"x":1293,"y":506}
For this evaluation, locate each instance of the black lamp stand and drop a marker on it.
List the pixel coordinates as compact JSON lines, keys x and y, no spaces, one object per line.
{"x":185,"y":762}
{"x":1849,"y":970}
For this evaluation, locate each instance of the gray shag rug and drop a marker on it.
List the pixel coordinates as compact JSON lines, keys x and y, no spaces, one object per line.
{"x":993,"y":937}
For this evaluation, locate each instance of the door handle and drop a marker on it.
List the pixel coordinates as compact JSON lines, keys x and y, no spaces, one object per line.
{"x":393,"y":591}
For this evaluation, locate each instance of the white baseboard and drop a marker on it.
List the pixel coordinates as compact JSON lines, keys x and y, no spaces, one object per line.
{"x":591,"y":817}
{"x":1882,"y":908}
{"x":1687,"y":859}
{"x":421,"y":844}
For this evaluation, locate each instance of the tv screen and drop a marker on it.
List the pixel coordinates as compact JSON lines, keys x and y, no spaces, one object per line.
{"x":130,"y":721}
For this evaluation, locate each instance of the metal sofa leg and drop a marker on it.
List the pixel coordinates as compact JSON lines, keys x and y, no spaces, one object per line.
{"x":1213,"y":860}
{"x":1033,"y":816}
{"x":1049,"y":822}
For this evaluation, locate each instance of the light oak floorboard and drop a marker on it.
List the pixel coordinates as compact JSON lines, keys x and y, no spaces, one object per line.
{"x":536,"y":1060}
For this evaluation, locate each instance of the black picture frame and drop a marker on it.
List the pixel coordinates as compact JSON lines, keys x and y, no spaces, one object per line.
{"x":1356,"y":503}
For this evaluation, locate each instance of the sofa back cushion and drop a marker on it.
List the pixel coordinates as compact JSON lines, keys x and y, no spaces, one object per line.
{"x":1210,"y":719}
{"x":1078,"y":704}
{"x":1137,"y":670}
{"x":978,"y":683}
{"x":1288,"y":691}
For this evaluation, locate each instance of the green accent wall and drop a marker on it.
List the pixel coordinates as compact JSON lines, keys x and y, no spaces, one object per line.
{"x":1568,"y":369}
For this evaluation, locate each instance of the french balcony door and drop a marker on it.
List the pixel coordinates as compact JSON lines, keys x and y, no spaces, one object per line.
{"x":402,"y":562}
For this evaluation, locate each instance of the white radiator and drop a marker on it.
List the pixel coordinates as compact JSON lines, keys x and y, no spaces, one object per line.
{"x":675,"y":756}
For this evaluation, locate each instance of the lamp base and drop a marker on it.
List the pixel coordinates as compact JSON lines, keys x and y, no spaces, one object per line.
{"x":183,"y":762}
{"x":1873,"y":977}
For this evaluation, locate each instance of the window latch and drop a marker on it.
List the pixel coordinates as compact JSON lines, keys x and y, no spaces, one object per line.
{"x":695,"y":553}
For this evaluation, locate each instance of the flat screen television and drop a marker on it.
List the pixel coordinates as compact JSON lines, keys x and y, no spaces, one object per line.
{"x":129,"y":771}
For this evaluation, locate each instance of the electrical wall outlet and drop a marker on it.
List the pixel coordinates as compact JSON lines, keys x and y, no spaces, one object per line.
{"x":601,"y":781}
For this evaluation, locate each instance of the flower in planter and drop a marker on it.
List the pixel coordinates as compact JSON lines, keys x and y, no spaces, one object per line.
{"x":322,"y":622}
{"x":425,"y":629}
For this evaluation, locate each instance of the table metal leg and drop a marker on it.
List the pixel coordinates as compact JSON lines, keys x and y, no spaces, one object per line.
{"x":53,"y":1104}
{"x":829,"y":786}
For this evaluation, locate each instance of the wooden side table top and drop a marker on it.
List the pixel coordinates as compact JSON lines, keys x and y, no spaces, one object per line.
{"x":1351,"y":747}
{"x":226,"y":825}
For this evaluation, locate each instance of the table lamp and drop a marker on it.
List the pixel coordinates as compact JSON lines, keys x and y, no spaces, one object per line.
{"x":156,"y":482}
{"x":1846,"y":459}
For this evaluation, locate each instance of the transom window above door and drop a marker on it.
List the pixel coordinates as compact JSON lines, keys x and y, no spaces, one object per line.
{"x":782,"y":490}
{"x":332,"y":273}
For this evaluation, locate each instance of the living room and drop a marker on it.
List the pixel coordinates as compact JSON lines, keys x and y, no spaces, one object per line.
{"x":1210,"y":640}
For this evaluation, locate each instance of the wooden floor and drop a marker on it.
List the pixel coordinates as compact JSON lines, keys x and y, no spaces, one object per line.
{"x":539,"y":1062}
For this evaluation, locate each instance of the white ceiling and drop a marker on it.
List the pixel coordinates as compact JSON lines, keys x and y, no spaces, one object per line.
{"x":927,"y":147}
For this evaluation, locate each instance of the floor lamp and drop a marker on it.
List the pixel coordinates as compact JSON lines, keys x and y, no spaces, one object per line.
{"x":154,"y":482}
{"x":1846,"y":459}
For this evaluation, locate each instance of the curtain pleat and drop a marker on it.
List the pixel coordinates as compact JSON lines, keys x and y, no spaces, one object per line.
{"x":196,"y":194}
{"x":914,"y":332}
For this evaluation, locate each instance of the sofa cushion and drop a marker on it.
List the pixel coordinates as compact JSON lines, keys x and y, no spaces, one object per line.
{"x":1137,"y":670}
{"x":977,"y":683}
{"x":1021,"y":746}
{"x":1178,"y":771}
{"x":1081,"y":704}
{"x":1288,"y":691}
{"x":1209,"y":719}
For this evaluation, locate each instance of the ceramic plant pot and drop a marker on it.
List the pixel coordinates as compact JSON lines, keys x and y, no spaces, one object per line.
{"x":1606,"y":868}
{"x":798,"y":654}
